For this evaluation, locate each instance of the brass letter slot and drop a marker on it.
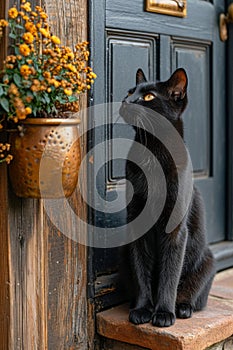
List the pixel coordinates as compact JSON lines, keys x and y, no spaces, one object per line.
{"x":168,"y":7}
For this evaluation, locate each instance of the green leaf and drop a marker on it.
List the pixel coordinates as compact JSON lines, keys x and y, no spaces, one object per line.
{"x":5,"y":78}
{"x":29,"y":94}
{"x":16,"y":50}
{"x":72,"y":98}
{"x":17,"y":79}
{"x":34,"y":112}
{"x":18,"y":26}
{"x":27,"y":83}
{"x":4,"y":103}
{"x":12,"y":36}
{"x":47,"y":99}
{"x":1,"y":91}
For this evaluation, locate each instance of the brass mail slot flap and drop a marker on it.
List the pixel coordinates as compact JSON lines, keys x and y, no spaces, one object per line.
{"x":168,"y":7}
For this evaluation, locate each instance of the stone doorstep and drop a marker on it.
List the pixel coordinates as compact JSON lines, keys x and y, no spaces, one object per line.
{"x":204,"y":329}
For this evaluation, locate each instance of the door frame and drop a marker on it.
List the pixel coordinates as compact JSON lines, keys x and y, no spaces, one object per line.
{"x":229,"y":44}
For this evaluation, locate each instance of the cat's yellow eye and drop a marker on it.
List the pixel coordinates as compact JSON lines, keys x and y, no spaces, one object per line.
{"x":149,"y":97}
{"x":130,"y":93}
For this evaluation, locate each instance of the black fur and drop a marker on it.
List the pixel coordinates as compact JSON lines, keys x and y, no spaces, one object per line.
{"x":171,"y":272}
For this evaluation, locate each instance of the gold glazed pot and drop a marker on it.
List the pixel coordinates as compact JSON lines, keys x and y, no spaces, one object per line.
{"x":46,"y":158}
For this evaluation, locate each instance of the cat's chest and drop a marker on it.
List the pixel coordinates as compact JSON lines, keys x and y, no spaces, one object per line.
{"x":150,"y":174}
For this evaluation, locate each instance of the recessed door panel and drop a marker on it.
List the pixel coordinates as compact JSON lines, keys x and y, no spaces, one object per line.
{"x":196,"y":59}
{"x":126,"y":53}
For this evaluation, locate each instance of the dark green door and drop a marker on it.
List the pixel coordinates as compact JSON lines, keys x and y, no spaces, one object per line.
{"x":125,"y":37}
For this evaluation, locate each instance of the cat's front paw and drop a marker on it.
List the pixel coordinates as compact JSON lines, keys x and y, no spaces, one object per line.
{"x":139,"y":316}
{"x":163,"y":319}
{"x":184,"y":310}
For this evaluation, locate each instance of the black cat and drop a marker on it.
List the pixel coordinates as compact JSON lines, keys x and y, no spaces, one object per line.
{"x":171,"y":272}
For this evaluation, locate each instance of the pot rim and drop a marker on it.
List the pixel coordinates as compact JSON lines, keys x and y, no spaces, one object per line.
{"x":51,"y":121}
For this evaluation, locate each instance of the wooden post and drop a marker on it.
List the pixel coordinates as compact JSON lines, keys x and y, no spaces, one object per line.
{"x":43,"y":280}
{"x":4,"y":261}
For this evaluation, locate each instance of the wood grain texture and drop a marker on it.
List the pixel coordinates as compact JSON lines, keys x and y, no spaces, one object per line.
{"x":48,"y":273}
{"x":4,"y":263}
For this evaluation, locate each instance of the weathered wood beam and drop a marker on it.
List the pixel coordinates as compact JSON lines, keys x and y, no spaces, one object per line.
{"x":4,"y":261}
{"x":48,"y":272}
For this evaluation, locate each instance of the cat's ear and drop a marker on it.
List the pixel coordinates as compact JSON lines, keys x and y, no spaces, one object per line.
{"x":177,"y":84}
{"x":140,"y":77}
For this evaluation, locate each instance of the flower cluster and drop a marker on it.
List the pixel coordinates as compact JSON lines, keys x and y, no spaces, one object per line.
{"x":4,"y":156}
{"x":40,"y":77}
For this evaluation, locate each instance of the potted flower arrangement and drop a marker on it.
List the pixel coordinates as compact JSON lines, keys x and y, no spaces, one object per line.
{"x":40,"y":87}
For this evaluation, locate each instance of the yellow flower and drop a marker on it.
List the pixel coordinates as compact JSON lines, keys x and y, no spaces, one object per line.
{"x":24,"y":49}
{"x":56,"y":83}
{"x":44,"y":32}
{"x":21,"y":113}
{"x":28,"y":37}
{"x":71,"y":67}
{"x":55,"y":39}
{"x":29,"y":99}
{"x":10,"y":66}
{"x":18,"y":103}
{"x":43,"y":15}
{"x":26,"y":7}
{"x":68,"y":92}
{"x":25,"y":70}
{"x":30,"y":27}
{"x":13,"y":13}
{"x":35,"y":87}
{"x":58,"y":50}
{"x":3,"y":23}
{"x":13,"y":90}
{"x":11,"y":58}
{"x":36,"y":82}
{"x":28,"y":110}
{"x":8,"y":159}
{"x":38,"y":8}
{"x":93,"y":75}
{"x":70,"y":55}
{"x":47,"y":75}
{"x":32,"y":70}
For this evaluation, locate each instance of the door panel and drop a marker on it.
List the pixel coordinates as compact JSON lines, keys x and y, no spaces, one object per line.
{"x":159,"y":44}
{"x":195,"y":58}
{"x":140,"y":51}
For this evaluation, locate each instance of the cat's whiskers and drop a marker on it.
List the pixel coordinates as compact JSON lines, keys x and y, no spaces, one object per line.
{"x":151,"y":126}
{"x":141,"y":127}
